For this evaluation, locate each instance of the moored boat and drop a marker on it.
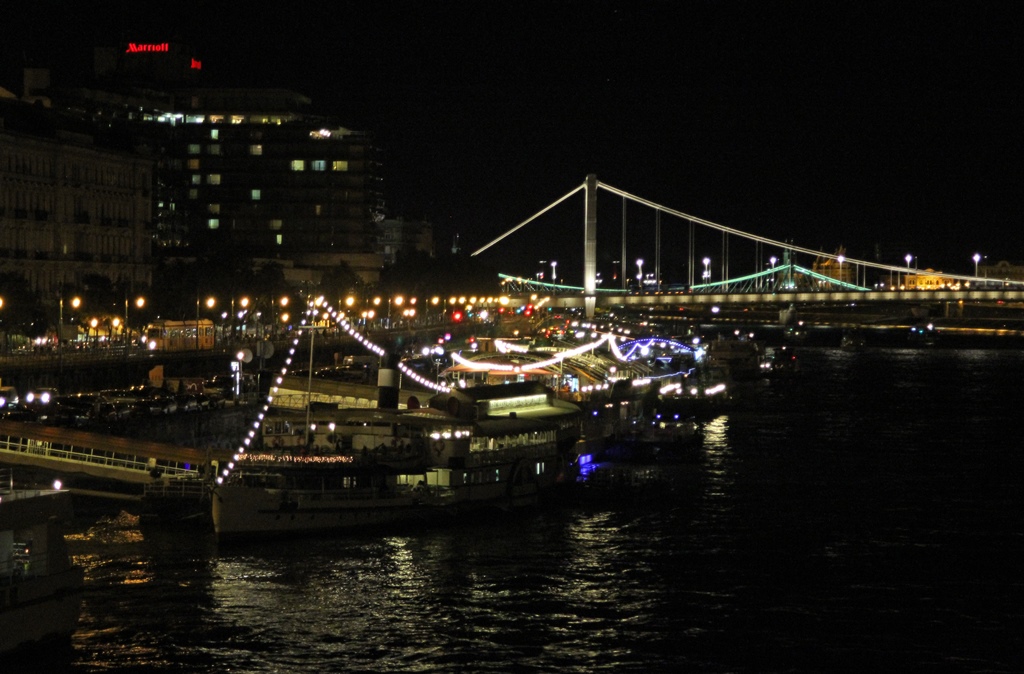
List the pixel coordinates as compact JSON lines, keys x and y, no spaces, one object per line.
{"x":486,"y":447}
{"x":40,"y":588}
{"x":663,"y":438}
{"x":742,"y":359}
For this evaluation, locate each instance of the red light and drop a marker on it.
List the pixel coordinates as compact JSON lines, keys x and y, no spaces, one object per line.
{"x":457,"y":316}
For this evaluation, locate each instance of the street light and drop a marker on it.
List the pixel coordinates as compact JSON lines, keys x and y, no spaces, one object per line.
{"x":554,"y":279}
{"x":977,"y":259}
{"x":840,"y":258}
{"x":707,"y":270}
{"x":75,"y":303}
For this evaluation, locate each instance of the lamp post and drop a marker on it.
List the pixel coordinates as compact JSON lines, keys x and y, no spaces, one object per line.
{"x":977,"y":259}
{"x":840,"y":258}
{"x":707,"y":269}
{"x":75,"y":303}
{"x":236,"y":318}
{"x":554,"y":278}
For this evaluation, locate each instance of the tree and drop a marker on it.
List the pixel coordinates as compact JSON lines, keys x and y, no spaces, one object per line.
{"x":22,"y":311}
{"x":341,"y":281}
{"x":417,"y":273}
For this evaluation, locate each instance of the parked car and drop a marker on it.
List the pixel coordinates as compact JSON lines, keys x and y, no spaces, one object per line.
{"x":187,"y":402}
{"x":65,"y":411}
{"x":18,"y":412}
{"x":210,"y":400}
{"x":155,"y":400}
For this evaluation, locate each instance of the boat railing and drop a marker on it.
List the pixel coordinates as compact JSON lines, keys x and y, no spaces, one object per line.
{"x":484,"y":457}
{"x":181,"y":489}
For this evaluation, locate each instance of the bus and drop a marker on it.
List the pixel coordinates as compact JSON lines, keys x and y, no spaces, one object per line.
{"x":163,"y":335}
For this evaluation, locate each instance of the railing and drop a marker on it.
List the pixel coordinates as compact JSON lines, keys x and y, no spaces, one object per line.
{"x":179,"y":489}
{"x":90,"y":456}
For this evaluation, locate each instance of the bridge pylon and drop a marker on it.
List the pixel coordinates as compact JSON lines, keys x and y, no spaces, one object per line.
{"x":590,"y":245}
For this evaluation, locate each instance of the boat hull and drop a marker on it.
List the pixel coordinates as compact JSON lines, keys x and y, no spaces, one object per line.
{"x":247,"y":512}
{"x":243,"y":512}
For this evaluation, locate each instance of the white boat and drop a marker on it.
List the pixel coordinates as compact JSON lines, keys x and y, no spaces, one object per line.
{"x":742,"y":359}
{"x":485,"y":447}
{"x":40,"y":589}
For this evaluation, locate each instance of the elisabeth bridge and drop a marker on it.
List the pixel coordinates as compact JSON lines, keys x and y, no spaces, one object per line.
{"x":748,"y":269}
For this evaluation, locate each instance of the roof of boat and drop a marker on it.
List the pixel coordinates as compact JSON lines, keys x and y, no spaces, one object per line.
{"x":29,"y":507}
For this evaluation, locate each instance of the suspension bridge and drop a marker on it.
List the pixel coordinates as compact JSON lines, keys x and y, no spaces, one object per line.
{"x":772,"y":274}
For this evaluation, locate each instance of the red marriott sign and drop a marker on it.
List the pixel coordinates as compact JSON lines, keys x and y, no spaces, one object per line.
{"x":134,"y":48}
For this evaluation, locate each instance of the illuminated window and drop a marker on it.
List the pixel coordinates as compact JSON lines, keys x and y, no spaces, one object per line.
{"x":279,"y":239}
{"x":275,"y":224}
{"x":213,"y":179}
{"x":237,"y":119}
{"x":255,"y":195}
{"x":319,"y":165}
{"x":193,"y":164}
{"x":197,"y":179}
{"x":339,"y":165}
{"x":216,"y":119}
{"x":320,"y":135}
{"x":215,"y":134}
{"x":213,"y":223}
{"x":213,"y":208}
{"x":318,"y":209}
{"x":298,"y":165}
{"x":193,"y":148}
{"x":256,"y":149}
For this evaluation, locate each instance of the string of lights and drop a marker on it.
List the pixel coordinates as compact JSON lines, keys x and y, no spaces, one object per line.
{"x":313,"y":313}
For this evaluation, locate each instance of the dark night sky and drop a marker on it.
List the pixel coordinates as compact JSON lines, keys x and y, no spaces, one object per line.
{"x":842,"y":123}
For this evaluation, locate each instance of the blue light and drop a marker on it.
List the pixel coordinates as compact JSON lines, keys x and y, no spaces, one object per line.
{"x":585,"y":459}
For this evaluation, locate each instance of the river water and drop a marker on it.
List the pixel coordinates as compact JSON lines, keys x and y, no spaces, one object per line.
{"x":864,"y":515}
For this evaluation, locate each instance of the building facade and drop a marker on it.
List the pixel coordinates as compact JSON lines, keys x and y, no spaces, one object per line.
{"x":1000,"y":271}
{"x":398,"y":235}
{"x":70,"y":207}
{"x":275,"y":183}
